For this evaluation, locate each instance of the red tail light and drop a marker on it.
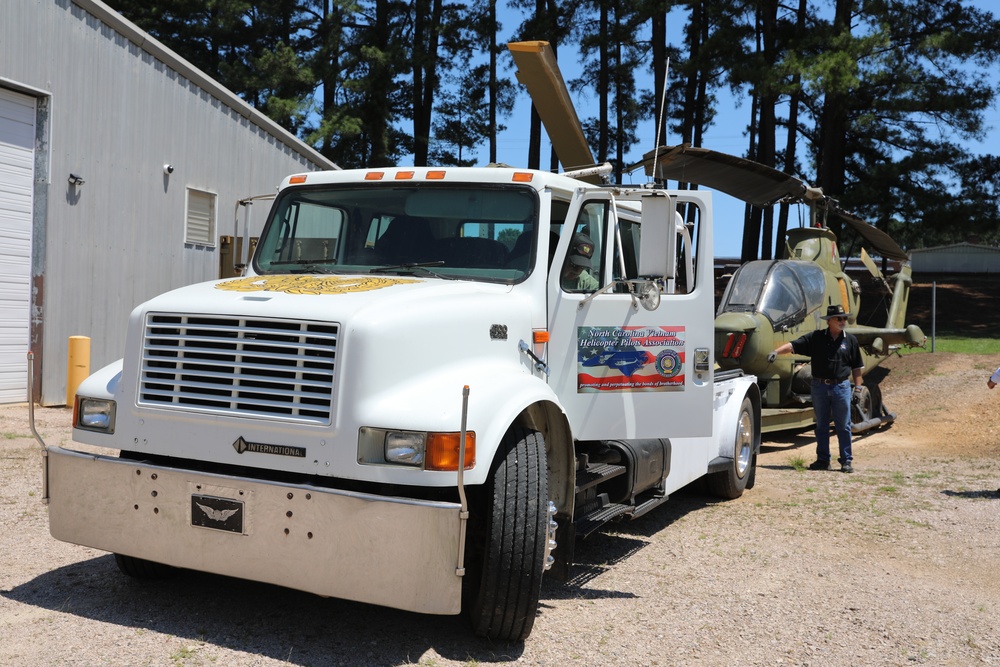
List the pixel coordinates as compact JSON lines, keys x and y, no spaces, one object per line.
{"x":738,"y":349}
{"x":729,"y":346}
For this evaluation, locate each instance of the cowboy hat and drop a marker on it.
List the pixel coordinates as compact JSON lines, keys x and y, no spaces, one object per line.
{"x":834,"y":311}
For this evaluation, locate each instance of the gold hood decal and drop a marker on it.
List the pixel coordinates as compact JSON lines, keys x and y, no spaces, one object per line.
{"x":311,"y":284}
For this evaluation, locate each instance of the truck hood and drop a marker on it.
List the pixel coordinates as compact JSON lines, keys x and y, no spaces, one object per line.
{"x":325,"y":298}
{"x":307,"y":363}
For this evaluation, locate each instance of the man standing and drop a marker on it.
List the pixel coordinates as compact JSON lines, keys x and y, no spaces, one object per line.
{"x":836,"y":362}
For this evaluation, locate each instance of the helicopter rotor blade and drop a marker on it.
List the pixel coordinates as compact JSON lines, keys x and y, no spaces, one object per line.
{"x":874,"y":270}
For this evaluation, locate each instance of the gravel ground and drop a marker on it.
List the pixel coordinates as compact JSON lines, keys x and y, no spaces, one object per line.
{"x":897,"y":564}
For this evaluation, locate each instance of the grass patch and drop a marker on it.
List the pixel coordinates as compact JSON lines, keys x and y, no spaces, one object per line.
{"x":957,"y":344}
{"x":797,"y":462}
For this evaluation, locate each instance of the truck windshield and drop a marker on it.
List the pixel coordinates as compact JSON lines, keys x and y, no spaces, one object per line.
{"x":471,"y":232}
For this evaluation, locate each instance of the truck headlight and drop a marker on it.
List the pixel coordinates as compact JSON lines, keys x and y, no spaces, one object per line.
{"x":404,"y":447}
{"x":95,"y":414}
{"x":417,"y":449}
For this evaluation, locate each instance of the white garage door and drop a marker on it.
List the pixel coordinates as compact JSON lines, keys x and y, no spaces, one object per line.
{"x":17,"y":159}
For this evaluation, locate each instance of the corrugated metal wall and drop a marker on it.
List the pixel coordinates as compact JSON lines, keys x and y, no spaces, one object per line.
{"x":117,"y":112}
{"x":958,"y":258}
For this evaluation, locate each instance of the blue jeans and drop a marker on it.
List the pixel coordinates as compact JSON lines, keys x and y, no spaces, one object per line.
{"x":832,"y":400}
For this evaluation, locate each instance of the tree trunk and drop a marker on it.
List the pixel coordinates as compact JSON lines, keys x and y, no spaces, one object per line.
{"x":426,"y":19}
{"x":603,"y":79}
{"x":377,"y":120}
{"x":831,"y":157}
{"x":767,"y":22}
{"x":493,"y":81}
{"x":791,"y":136}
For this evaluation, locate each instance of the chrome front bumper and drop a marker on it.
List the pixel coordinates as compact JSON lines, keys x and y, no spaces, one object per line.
{"x":393,"y":552}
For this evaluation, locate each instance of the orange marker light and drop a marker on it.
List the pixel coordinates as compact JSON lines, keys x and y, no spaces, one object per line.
{"x":294,"y":180}
{"x":522,"y":177}
{"x":441,"y":451}
{"x":374,"y":176}
{"x":435,"y":175}
{"x":540,"y":336}
{"x":404,"y":175}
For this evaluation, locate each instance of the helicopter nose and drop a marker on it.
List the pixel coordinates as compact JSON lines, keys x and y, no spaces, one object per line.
{"x":733,"y":331}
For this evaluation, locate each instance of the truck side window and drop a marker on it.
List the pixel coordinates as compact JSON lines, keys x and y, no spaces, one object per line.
{"x":582,"y":268}
{"x":629,"y":256}
{"x":687,"y":248}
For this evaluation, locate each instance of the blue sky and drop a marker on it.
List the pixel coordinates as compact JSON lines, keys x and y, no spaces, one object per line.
{"x":726,"y":135}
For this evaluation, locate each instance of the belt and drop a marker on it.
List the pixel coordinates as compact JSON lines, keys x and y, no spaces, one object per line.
{"x":829,"y":381}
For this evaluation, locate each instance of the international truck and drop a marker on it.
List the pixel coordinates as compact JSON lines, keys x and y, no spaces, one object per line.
{"x":412,"y":398}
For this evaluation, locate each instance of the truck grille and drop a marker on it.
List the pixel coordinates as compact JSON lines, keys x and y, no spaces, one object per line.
{"x":232,"y":365}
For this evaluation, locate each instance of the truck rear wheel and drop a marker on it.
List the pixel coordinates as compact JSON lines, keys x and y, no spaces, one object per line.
{"x":506,"y":542}
{"x":139,"y":568}
{"x":731,"y":483}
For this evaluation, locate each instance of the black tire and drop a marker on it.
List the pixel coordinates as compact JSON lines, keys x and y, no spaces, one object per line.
{"x":864,"y":409}
{"x":731,"y":483}
{"x":139,"y":568}
{"x":506,"y":543}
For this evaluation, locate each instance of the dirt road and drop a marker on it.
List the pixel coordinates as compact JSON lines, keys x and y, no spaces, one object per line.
{"x":897,"y":564}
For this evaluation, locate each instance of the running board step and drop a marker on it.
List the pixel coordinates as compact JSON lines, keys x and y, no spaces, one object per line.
{"x":649,"y":504}
{"x":599,"y":516}
{"x":596,"y":473}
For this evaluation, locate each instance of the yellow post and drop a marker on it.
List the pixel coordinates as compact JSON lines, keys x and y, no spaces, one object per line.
{"x":79,"y":366}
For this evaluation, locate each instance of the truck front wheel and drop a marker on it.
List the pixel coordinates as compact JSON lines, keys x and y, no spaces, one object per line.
{"x":731,"y":483}
{"x":506,"y":541}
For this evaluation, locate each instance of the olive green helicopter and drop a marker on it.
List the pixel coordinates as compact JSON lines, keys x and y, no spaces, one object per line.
{"x":766,"y":302}
{"x":770,"y":302}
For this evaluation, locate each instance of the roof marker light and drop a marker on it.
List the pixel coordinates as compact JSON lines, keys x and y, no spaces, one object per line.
{"x":522,"y":177}
{"x":404,"y":175}
{"x":301,"y":178}
{"x":374,"y":176}
{"x":435,"y":175}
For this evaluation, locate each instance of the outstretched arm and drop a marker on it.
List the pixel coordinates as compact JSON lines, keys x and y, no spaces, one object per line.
{"x":784,"y":348}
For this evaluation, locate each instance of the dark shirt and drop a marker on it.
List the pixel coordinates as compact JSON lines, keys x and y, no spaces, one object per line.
{"x":832,"y":359}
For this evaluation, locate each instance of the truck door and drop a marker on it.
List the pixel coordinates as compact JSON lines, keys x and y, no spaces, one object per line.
{"x":620,"y":370}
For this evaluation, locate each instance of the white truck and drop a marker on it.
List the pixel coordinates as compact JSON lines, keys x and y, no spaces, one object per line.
{"x":406,"y":402}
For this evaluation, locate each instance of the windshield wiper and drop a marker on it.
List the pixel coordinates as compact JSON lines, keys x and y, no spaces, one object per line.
{"x":306,"y":265}
{"x":412,"y":267}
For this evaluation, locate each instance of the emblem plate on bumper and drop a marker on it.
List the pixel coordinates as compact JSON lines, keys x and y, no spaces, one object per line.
{"x":217,"y":513}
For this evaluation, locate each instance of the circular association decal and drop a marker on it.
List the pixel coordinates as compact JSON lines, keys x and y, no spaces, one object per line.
{"x":311,"y":284}
{"x":668,"y":363}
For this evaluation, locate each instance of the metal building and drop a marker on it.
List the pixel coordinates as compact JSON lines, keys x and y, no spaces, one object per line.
{"x":121,"y":165}
{"x":956,"y":258}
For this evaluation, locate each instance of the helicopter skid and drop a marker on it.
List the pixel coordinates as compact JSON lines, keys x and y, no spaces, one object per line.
{"x":784,"y":419}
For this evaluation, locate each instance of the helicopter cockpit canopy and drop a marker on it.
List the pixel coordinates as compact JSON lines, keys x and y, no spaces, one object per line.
{"x":784,"y":291}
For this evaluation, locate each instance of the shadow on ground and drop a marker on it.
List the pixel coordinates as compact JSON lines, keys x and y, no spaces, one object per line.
{"x":990,"y":494}
{"x":303,"y":629}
